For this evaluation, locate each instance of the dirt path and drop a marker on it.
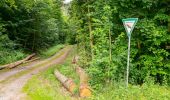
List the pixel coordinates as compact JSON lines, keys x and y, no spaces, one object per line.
{"x":11,"y":82}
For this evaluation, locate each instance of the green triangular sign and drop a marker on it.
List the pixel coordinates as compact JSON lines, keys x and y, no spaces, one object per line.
{"x":129,"y":25}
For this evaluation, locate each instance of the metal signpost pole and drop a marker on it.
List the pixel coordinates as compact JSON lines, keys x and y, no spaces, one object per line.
{"x":128,"y":62}
{"x":129,"y":25}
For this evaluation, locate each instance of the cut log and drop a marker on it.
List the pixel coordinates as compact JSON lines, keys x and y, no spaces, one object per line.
{"x":31,"y":60}
{"x":2,"y":67}
{"x":29,"y":57}
{"x":15,"y":64}
{"x":21,"y":61}
{"x":84,"y":90}
{"x":66,"y":82}
{"x":83,"y":76}
{"x":167,"y":47}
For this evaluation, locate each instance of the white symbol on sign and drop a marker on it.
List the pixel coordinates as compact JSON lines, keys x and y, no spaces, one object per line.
{"x":129,"y":25}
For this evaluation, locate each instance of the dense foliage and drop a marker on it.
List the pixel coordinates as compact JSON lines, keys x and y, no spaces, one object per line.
{"x":29,"y":25}
{"x":32,"y":24}
{"x":103,"y":42}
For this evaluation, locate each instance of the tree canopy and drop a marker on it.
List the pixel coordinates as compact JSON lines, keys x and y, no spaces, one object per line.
{"x":32,"y":24}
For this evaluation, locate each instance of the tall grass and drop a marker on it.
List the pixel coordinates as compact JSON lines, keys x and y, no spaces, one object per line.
{"x":44,"y":86}
{"x":9,"y":56}
{"x":45,"y":53}
{"x":133,"y":92}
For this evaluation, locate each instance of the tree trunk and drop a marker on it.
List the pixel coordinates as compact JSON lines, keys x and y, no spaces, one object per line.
{"x":110,"y":52}
{"x":91,"y":35}
{"x":66,"y":82}
{"x":169,"y":24}
{"x":33,"y":45}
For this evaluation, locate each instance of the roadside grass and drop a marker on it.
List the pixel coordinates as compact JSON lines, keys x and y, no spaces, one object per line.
{"x":45,"y":86}
{"x":50,"y":51}
{"x":9,"y":56}
{"x":133,"y":92}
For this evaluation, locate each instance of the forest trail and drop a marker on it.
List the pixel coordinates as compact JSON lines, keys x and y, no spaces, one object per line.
{"x":12,"y":81}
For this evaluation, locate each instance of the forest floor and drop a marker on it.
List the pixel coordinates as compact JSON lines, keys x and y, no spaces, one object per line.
{"x":12,"y":81}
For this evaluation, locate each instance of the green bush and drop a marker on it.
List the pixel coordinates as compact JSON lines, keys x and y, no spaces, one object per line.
{"x":145,"y":92}
{"x":8,"y":52}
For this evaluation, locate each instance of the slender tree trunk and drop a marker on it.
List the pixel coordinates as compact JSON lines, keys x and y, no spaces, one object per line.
{"x":169,"y":24}
{"x":110,"y":53}
{"x":110,"y":46}
{"x":168,"y":47}
{"x":33,"y":46}
{"x":91,"y":36}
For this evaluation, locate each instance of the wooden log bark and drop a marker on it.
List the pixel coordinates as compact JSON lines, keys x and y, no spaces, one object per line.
{"x":30,"y":56}
{"x":2,"y":67}
{"x":84,"y":89}
{"x":31,"y":60}
{"x":83,"y":76}
{"x":17,"y":63}
{"x":167,"y":47}
{"x":66,"y":82}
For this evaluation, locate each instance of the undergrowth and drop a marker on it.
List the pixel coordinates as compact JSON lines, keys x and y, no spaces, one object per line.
{"x":45,"y":86}
{"x":118,"y":91}
{"x":50,"y":51}
{"x":9,"y":56}
{"x":8,"y":52}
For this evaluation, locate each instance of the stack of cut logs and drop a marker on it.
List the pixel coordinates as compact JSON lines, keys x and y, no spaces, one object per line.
{"x":84,"y":89}
{"x":17,"y":63}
